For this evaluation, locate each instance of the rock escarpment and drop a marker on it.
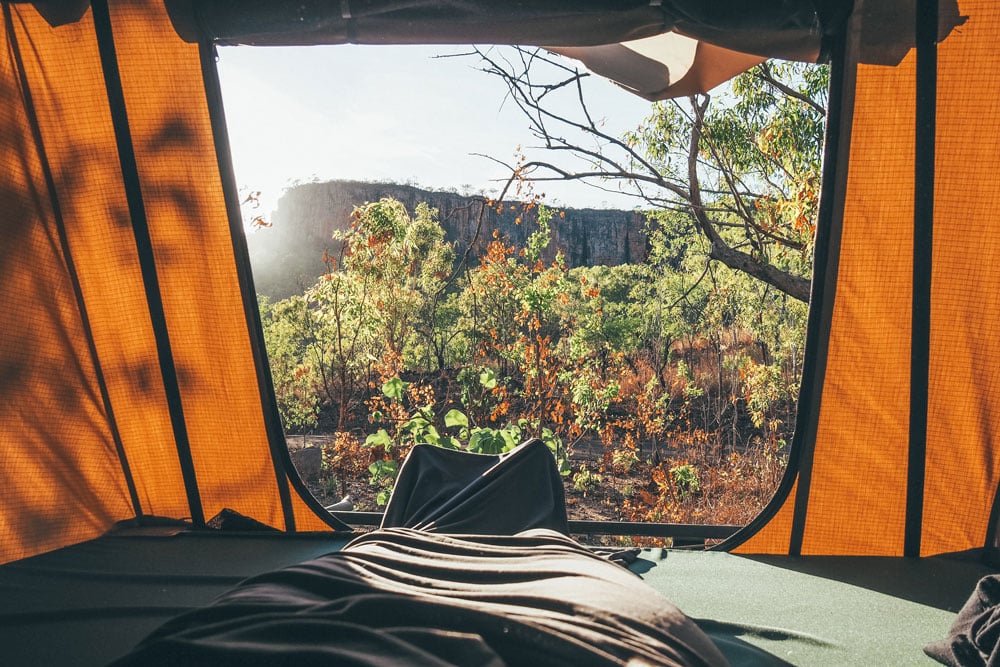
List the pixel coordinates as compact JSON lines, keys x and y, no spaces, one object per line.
{"x":288,"y":256}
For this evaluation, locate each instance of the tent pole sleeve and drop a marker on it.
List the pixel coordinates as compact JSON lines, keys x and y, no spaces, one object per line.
{"x":223,"y":153}
{"x":60,"y":223}
{"x":923,"y":227}
{"x":144,"y":248}
{"x":826,"y":264}
{"x":836,"y":150}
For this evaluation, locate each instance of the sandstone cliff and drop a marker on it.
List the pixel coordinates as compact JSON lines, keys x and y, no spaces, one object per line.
{"x":287,"y":257}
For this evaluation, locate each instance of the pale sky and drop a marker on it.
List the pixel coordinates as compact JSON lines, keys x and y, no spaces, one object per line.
{"x":393,"y":113}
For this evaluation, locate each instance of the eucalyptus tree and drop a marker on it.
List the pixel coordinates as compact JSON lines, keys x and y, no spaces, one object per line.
{"x":743,"y":164}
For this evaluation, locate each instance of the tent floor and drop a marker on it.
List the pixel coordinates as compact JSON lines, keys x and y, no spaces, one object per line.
{"x":90,"y":603}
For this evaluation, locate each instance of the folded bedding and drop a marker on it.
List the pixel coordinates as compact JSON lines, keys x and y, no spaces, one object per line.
{"x":974,"y":637}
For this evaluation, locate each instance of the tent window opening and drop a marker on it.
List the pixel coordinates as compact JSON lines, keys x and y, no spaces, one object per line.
{"x":471,"y":247}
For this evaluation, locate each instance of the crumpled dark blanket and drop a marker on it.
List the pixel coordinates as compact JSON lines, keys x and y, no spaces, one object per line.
{"x":974,"y":638}
{"x":470,"y":567}
{"x":401,"y":596}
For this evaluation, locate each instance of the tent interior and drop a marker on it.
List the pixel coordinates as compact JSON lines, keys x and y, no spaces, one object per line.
{"x":133,"y":368}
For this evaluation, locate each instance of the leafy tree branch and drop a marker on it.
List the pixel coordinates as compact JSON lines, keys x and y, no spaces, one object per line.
{"x":746,"y":168}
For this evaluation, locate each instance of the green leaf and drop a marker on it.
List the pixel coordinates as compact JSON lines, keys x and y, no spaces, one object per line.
{"x":456,"y":418}
{"x":394,"y":389}
{"x":511,"y":436}
{"x":474,"y":439}
{"x":448,"y":442}
{"x":414,"y":425}
{"x":379,"y":439}
{"x":488,"y":378}
{"x":487,"y":441}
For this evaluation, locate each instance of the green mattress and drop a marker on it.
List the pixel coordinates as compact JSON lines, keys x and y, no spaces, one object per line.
{"x":817,"y":610}
{"x":92,"y":602}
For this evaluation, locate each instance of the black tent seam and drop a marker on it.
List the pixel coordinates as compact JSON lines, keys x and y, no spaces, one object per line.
{"x":241,"y":256}
{"x":923,"y":251}
{"x":990,"y":546}
{"x":840,"y":126}
{"x":60,"y":223}
{"x":836,"y":151}
{"x":144,"y":251}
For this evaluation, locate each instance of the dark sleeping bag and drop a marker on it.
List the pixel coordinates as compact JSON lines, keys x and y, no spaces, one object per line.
{"x":412,"y":596}
{"x":447,"y":491}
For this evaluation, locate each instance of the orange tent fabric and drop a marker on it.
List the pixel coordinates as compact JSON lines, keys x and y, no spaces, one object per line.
{"x":859,"y":474}
{"x":131,"y":363}
{"x":89,"y":436}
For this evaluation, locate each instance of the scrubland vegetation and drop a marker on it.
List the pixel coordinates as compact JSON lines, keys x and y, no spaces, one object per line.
{"x":665,"y":389}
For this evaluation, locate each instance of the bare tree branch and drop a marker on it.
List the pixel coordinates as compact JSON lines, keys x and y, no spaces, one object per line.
{"x":615,"y":159}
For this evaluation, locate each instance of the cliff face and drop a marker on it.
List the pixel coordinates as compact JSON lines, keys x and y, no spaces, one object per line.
{"x":287,"y":257}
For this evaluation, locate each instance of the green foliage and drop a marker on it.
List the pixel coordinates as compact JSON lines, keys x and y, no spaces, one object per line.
{"x":295,"y":378}
{"x":656,"y":359}
{"x":663,"y":353}
{"x":624,"y":459}
{"x":383,"y":476}
{"x":586,"y":480}
{"x":331,"y":485}
{"x":685,"y":479}
{"x":382,"y":297}
{"x":418,"y":426}
{"x":759,"y":149}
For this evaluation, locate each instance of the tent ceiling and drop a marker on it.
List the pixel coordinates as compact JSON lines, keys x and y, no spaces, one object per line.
{"x":659,"y":49}
{"x":656,"y":49}
{"x":663,"y":66}
{"x":765,"y":27}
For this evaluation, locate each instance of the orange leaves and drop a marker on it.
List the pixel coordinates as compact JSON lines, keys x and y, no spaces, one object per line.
{"x":557,"y":412}
{"x":500,"y":411}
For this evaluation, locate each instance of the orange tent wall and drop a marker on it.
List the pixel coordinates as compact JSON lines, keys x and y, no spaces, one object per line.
{"x":165,"y":98}
{"x":90,"y":423}
{"x":857,"y":495}
{"x":75,"y":308}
